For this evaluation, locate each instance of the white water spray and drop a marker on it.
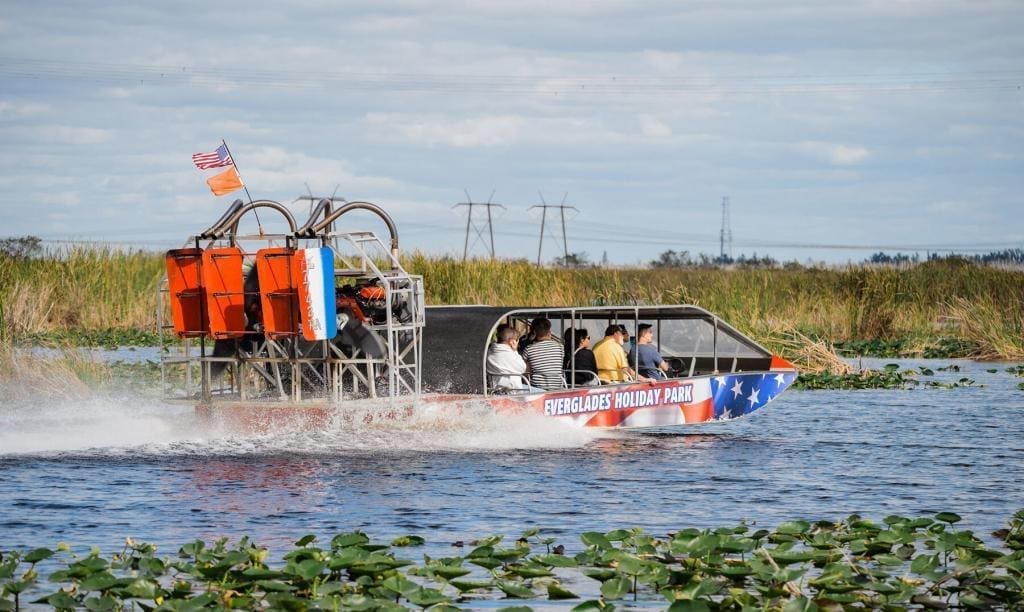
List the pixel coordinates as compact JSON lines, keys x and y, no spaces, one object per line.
{"x":131,"y":425}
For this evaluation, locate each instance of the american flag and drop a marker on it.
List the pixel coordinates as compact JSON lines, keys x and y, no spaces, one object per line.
{"x":217,"y":159}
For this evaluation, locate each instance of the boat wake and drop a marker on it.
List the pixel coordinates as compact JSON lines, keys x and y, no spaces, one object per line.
{"x":120,"y":424}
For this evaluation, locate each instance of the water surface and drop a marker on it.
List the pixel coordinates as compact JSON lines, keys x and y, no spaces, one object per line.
{"x":93,"y":470}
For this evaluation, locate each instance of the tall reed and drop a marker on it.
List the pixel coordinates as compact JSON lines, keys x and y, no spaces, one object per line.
{"x":97,"y":289}
{"x":80,"y":288}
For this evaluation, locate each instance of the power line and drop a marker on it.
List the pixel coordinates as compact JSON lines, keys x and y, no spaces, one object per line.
{"x":595,"y":232}
{"x":551,"y":84}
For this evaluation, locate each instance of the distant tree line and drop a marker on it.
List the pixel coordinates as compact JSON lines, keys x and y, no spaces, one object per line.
{"x":1006,"y":256}
{"x":24,"y":247}
{"x":683,"y":259}
{"x":29,"y":247}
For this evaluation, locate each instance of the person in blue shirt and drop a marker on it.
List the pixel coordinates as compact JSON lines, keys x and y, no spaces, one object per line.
{"x":648,"y":360}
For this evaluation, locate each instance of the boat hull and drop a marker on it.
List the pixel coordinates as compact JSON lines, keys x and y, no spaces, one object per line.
{"x":655,"y":404}
{"x":675,"y":402}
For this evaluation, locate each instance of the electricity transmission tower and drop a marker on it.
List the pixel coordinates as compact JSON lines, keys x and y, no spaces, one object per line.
{"x":725,"y":234}
{"x":544,"y":215}
{"x":313,"y":200}
{"x":471,"y":223}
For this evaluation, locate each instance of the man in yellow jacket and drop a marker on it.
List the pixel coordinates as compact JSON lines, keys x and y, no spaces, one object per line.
{"x":612,"y":366}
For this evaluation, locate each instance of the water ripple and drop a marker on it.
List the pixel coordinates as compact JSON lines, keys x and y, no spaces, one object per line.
{"x":108,"y":467}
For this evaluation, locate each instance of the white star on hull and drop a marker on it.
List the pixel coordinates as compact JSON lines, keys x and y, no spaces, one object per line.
{"x":737,"y":389}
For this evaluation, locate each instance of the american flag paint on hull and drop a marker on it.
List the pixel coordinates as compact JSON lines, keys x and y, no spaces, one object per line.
{"x":656,"y":404}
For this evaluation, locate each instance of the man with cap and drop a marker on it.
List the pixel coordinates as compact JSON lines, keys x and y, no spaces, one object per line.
{"x":612,"y":366}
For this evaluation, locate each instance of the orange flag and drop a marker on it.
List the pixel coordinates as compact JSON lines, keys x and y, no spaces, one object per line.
{"x":225,"y":182}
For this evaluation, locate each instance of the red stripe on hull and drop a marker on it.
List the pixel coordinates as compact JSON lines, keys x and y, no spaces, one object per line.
{"x":699,"y":412}
{"x":611,"y":418}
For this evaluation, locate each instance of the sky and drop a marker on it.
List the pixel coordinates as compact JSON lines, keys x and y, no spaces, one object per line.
{"x":835,"y":129}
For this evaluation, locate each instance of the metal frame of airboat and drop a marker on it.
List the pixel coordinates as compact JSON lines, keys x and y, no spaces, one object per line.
{"x":286,"y":368}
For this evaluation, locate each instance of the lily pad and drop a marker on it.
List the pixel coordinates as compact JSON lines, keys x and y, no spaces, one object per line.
{"x":598,"y":540}
{"x":408,"y":540}
{"x":471,"y":585}
{"x":554,"y":560}
{"x":557,"y":592}
{"x":616,"y":588}
{"x":515,"y":590}
{"x":948,"y":517}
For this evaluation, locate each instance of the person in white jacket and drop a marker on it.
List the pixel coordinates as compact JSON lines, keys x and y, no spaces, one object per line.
{"x":505,"y":367}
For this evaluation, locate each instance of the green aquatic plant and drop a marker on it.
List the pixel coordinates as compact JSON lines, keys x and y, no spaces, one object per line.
{"x":891,"y":376}
{"x":963,"y":382}
{"x":872,"y":348}
{"x":865,"y":379}
{"x":853,"y":563}
{"x":110,"y":338}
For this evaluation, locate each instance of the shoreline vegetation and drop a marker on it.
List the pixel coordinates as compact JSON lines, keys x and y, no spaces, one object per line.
{"x":898,"y":563}
{"x":941,"y":308}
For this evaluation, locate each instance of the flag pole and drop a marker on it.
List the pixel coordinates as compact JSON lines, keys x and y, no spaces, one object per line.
{"x":244,"y":186}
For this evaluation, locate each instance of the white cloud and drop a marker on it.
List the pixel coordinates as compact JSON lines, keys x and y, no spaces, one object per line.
{"x":242,"y":128}
{"x":654,"y":128}
{"x":9,"y":109}
{"x":956,"y":208}
{"x":58,"y":198}
{"x":475,"y":132}
{"x":846,"y":155}
{"x":66,"y":134}
{"x":118,"y":93}
{"x":835,"y":154}
{"x":274,"y":169}
{"x":493,"y":131}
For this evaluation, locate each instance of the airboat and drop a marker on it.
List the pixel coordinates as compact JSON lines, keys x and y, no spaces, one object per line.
{"x":321,"y":322}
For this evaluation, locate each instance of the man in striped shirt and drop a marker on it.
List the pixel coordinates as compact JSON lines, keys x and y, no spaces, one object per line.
{"x":544,"y":357}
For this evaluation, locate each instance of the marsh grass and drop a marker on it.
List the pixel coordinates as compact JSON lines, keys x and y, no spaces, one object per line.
{"x":103,"y":296}
{"x":996,"y":329}
{"x":79,"y":288}
{"x":939,"y":308}
{"x":69,"y":373}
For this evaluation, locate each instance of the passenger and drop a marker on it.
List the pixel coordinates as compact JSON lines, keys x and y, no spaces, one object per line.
{"x":649,"y":361}
{"x":581,"y":359}
{"x":497,"y":332}
{"x":627,"y":342}
{"x":544,"y":357}
{"x":505,"y":367}
{"x":569,"y":341}
{"x":612,"y":366}
{"x":526,"y":339}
